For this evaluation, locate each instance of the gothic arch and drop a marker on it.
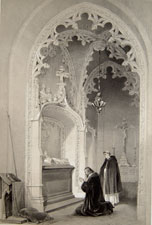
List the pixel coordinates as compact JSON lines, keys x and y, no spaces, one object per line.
{"x":132,"y":83}
{"x":64,"y":115}
{"x":120,"y":32}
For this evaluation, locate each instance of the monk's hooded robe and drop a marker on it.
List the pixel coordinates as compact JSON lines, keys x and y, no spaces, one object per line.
{"x":94,"y":203}
{"x":111,"y":183}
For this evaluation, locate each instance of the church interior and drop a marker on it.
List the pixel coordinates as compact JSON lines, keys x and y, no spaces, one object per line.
{"x":75,"y":81}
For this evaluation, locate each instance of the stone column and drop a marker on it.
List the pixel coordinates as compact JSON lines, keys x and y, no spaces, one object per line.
{"x":36,"y":168}
{"x":80,"y":161}
{"x":100,"y":142}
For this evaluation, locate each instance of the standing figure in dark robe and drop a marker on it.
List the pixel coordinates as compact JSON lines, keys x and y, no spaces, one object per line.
{"x":110,"y":178}
{"x":94,"y":203}
{"x":8,"y":202}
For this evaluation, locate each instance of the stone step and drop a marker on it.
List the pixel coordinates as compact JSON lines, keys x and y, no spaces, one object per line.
{"x":59,"y":198}
{"x":62,"y":204}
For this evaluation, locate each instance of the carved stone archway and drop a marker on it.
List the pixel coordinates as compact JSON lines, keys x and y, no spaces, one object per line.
{"x":132,"y":83}
{"x":75,"y":151}
{"x":136,"y":59}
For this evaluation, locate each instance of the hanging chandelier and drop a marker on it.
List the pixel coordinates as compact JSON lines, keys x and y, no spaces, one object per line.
{"x":98,"y":103}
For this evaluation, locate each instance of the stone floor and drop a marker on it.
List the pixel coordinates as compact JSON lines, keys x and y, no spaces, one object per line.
{"x":124,"y":214}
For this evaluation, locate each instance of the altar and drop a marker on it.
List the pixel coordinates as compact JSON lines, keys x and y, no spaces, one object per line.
{"x":57,"y":183}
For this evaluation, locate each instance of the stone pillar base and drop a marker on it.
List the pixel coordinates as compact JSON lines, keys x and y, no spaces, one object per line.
{"x":37,"y":203}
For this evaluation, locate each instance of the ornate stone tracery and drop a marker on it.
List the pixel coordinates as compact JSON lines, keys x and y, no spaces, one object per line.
{"x":83,"y":36}
{"x":69,"y":18}
{"x":117,"y":39}
{"x":131,"y":84}
{"x":114,"y":40}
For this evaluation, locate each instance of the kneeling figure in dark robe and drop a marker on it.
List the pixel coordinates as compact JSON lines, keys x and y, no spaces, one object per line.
{"x":94,"y":203}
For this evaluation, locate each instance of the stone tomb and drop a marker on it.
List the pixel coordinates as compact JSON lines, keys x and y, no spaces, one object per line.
{"x":57,"y":183}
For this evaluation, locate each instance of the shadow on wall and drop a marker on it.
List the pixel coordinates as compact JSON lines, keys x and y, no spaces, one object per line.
{"x":129,"y":191}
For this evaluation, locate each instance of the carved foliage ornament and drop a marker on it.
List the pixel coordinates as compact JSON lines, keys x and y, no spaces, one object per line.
{"x":45,"y":95}
{"x":112,"y":39}
{"x":135,"y":57}
{"x":131,"y":84}
{"x":56,"y":38}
